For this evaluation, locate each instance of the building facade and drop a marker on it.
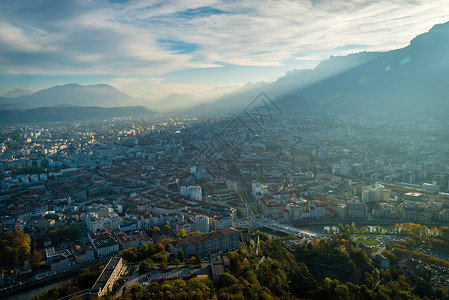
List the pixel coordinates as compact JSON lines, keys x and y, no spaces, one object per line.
{"x":108,"y":277}
{"x":225,"y":239}
{"x":103,"y":242}
{"x":201,"y":223}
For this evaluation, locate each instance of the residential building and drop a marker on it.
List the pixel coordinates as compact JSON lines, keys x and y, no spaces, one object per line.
{"x":194,"y":192}
{"x":444,"y":215}
{"x":225,"y":239}
{"x":375,"y":193}
{"x":188,"y":227}
{"x":201,"y":223}
{"x":355,"y":209}
{"x":108,"y":277}
{"x":409,"y":212}
{"x":93,"y":222}
{"x":82,"y":254}
{"x":59,"y":259}
{"x":221,"y":221}
{"x":103,"y":242}
{"x":132,"y":239}
{"x":341,"y":211}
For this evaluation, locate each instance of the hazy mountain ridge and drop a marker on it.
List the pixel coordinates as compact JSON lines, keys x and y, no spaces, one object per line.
{"x":407,"y":80}
{"x":286,"y":86}
{"x":13,"y":106}
{"x":103,"y":95}
{"x":411,"y":79}
{"x":77,"y":95}
{"x":179,"y":101}
{"x":16,"y":93}
{"x":71,"y":113}
{"x":176,"y":101}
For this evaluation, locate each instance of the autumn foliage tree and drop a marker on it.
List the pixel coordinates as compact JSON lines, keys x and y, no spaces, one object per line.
{"x":14,"y":247}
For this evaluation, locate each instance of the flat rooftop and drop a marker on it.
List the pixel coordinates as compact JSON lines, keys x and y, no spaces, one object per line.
{"x":106,"y":274}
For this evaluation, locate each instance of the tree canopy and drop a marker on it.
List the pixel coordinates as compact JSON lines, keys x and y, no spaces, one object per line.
{"x":14,"y":247}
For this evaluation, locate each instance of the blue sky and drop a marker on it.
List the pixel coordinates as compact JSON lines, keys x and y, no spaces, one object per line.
{"x":154,"y":48}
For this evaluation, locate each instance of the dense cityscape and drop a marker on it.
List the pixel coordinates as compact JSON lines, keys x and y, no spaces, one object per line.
{"x":224,"y":150}
{"x":84,"y":192}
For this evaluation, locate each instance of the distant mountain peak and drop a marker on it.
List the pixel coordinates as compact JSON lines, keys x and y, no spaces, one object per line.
{"x":438,"y":33}
{"x":74,"y":84}
{"x":74,"y":94}
{"x":102,"y":85}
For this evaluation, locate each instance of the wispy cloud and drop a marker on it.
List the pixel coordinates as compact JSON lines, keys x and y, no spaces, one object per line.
{"x":156,"y":37}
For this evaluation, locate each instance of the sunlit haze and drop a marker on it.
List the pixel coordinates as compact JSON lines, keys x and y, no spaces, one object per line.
{"x":155,"y":48}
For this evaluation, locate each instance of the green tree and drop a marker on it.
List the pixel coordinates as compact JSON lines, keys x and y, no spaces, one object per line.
{"x":341,"y":228}
{"x":182,"y":234}
{"x":347,"y":229}
{"x":159,"y":247}
{"x":181,"y":255}
{"x":14,"y":247}
{"x":390,"y":256}
{"x":130,"y":254}
{"x":36,"y":256}
{"x":440,"y":291}
{"x":196,"y":259}
{"x":163,"y":266}
{"x":226,"y":280}
{"x":59,"y":235}
{"x":156,"y":230}
{"x":145,"y":266}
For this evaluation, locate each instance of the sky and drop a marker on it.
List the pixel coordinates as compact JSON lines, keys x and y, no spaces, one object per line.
{"x":154,"y":48}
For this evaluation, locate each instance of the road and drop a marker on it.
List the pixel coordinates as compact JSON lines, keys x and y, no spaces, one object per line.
{"x":173,"y":271}
{"x":134,"y":278}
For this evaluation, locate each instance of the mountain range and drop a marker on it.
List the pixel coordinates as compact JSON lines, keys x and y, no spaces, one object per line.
{"x":16,"y":93}
{"x":74,"y":94}
{"x":413,"y":79}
